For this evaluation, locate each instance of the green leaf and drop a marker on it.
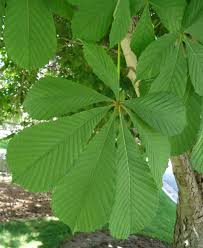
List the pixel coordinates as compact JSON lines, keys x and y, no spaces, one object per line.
{"x":93,"y":19}
{"x":173,"y":74}
{"x":39,"y":156}
{"x":136,"y":193}
{"x":30,"y":35}
{"x":197,"y":155}
{"x":192,"y":12}
{"x":136,"y":6}
{"x":84,"y":198}
{"x":2,"y":13}
{"x":193,"y":19}
{"x":164,"y":112}
{"x":144,"y":33}
{"x":157,"y":148}
{"x":195,"y":61}
{"x":185,"y":141}
{"x":61,"y":7}
{"x":53,"y":97}
{"x":170,"y":12}
{"x":121,"y":23}
{"x":103,"y":66}
{"x":154,"y":56}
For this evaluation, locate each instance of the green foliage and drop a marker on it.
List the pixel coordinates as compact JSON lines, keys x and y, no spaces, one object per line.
{"x":2,"y":12}
{"x":136,"y":5}
{"x":163,"y":112}
{"x":53,"y":147}
{"x":155,"y":143}
{"x":88,"y":190}
{"x":173,"y":74}
{"x":193,"y":19}
{"x":30,"y":35}
{"x":102,"y":66}
{"x":185,"y":141}
{"x":162,"y":226}
{"x":135,"y":199}
{"x":78,"y":159}
{"x":144,"y":33}
{"x":157,"y":52}
{"x":51,"y":97}
{"x":105,"y":151}
{"x":170,"y":12}
{"x":121,"y":23}
{"x":61,"y":7}
{"x":95,"y":17}
{"x":195,"y":65}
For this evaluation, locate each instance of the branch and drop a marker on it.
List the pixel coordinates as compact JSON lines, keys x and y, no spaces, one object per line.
{"x":131,"y":58}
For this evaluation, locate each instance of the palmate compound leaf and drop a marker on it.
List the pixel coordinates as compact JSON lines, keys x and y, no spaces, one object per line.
{"x":164,"y":112}
{"x":39,"y":156}
{"x":195,"y":62}
{"x":157,"y":148}
{"x":30,"y":35}
{"x":186,"y":140}
{"x":173,"y":75}
{"x":53,"y":97}
{"x":144,"y":33}
{"x":121,"y":23}
{"x":84,"y":198}
{"x":136,"y":192}
{"x":103,"y":66}
{"x":154,"y":56}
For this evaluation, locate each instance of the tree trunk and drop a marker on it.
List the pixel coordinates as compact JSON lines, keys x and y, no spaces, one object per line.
{"x":189,"y":216}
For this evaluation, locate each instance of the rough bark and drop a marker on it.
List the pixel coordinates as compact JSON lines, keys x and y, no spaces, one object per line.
{"x":189,"y":218}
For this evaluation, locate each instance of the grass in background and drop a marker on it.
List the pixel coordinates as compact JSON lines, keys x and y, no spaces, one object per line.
{"x":50,"y":233}
{"x":38,"y":233}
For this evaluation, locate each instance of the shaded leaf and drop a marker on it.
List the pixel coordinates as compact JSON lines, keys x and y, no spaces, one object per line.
{"x":154,"y":56}
{"x":30,"y":35}
{"x":121,"y":23}
{"x":136,"y":5}
{"x":103,"y":66}
{"x":195,"y":62}
{"x":144,"y":33}
{"x":170,"y":12}
{"x":61,"y":7}
{"x":157,"y":148}
{"x":173,"y":74}
{"x":164,"y":112}
{"x":193,"y":19}
{"x":93,"y":18}
{"x":184,"y":142}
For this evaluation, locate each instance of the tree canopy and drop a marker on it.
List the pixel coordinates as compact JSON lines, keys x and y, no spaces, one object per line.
{"x":102,"y":142}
